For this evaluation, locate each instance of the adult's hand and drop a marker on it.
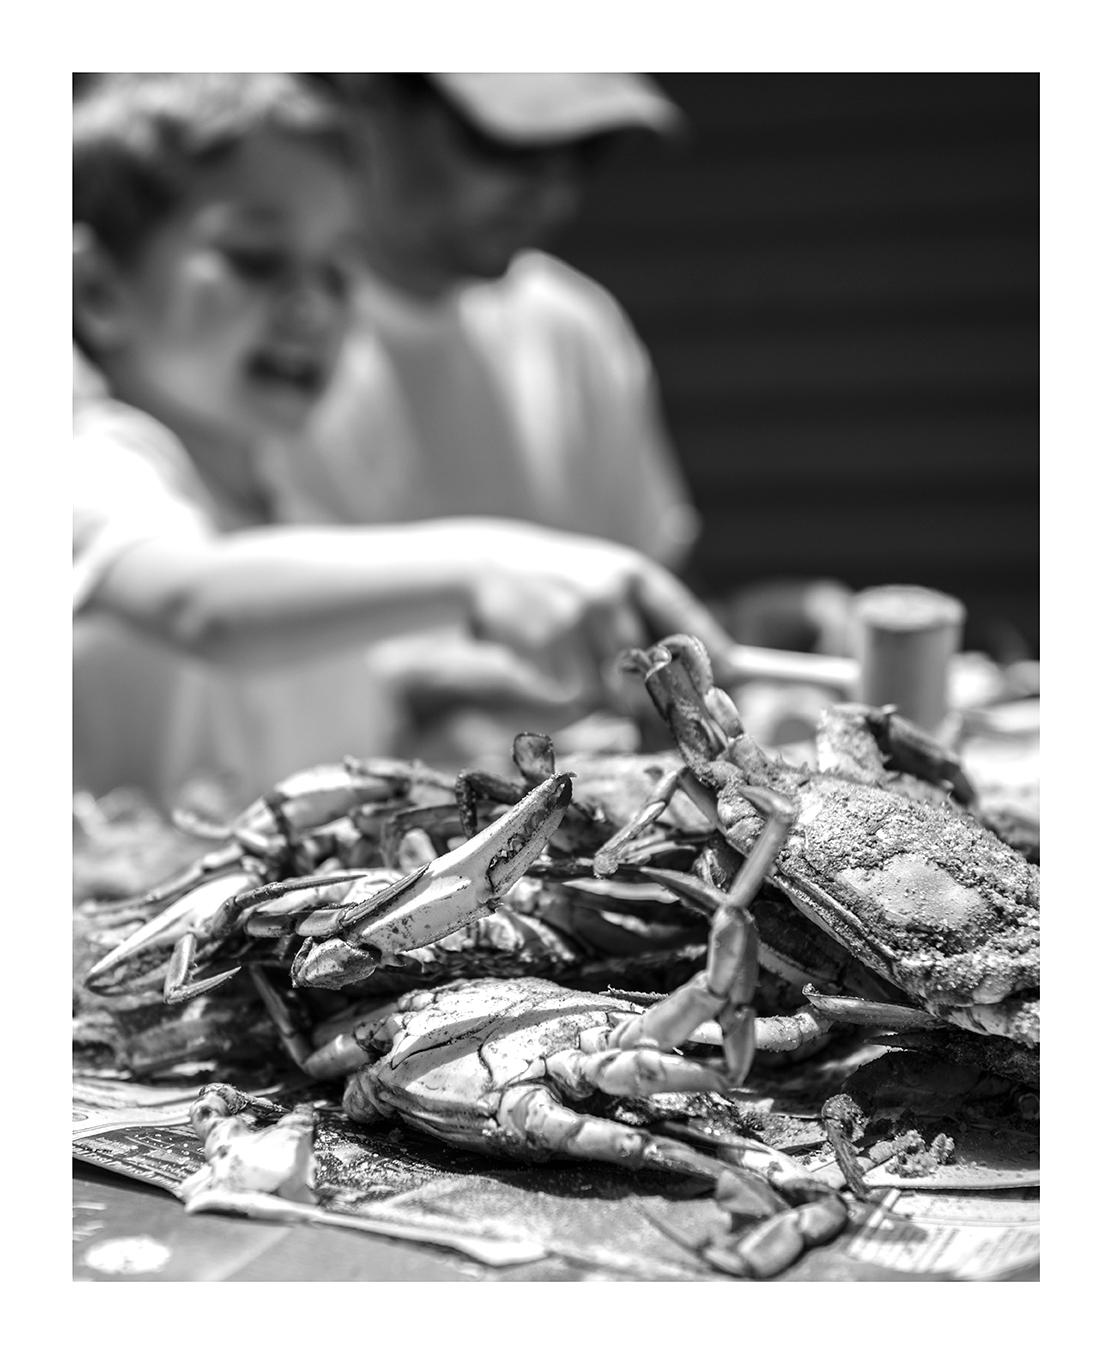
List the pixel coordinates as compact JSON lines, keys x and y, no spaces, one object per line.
{"x":571,"y":604}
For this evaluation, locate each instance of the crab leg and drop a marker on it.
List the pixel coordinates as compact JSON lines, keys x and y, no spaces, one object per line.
{"x":303,"y":903}
{"x":192,"y":910}
{"x":767,"y":1248}
{"x":630,"y":1071}
{"x":180,"y":986}
{"x":307,"y":799}
{"x":436,"y":899}
{"x":844,"y":1122}
{"x":678,"y":676}
{"x":351,"y":1048}
{"x":774,"y":1034}
{"x":535,"y":759}
{"x":702,"y":718}
{"x":875,"y":1014}
{"x":177,"y":986}
{"x":725,"y":990}
{"x":293,"y":1037}
{"x":609,"y":856}
{"x":531,"y":1114}
{"x":436,"y":822}
{"x":747,"y":1188}
{"x":471,"y":786}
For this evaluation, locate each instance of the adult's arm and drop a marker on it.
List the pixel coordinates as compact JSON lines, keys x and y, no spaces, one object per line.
{"x":148,"y":548}
{"x":279,"y":594}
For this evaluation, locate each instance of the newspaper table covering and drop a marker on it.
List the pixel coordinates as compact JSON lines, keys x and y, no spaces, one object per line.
{"x":570,"y":1220}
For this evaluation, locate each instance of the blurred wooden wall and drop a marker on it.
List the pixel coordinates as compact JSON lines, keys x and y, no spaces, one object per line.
{"x":837,"y":276}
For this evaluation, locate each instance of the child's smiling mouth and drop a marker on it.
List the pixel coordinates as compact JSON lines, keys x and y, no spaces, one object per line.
{"x":284,"y":369}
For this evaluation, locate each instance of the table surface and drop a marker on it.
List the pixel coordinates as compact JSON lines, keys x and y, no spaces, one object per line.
{"x":125,"y":1230}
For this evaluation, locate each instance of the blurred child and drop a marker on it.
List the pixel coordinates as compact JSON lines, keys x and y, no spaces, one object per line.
{"x":215,"y":237}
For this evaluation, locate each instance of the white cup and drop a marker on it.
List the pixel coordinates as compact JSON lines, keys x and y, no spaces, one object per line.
{"x":905,"y":637}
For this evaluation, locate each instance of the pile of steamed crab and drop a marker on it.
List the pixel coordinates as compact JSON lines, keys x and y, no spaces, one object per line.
{"x":504,"y":963}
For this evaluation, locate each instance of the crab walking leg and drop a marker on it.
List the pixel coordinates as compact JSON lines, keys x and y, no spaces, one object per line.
{"x":875,"y":1014}
{"x":177,"y":986}
{"x":733,"y":919}
{"x":792,"y":1033}
{"x":774,"y":1034}
{"x":629,"y":1071}
{"x":344,"y":1053}
{"x":533,"y":1116}
{"x":725,"y":989}
{"x":815,"y":1213}
{"x":685,"y":696}
{"x":844,"y":1122}
{"x":192,"y":911}
{"x":768,"y":1247}
{"x":306,"y":800}
{"x":173,"y":892}
{"x":471,"y":785}
{"x":293,"y":1037}
{"x":678,"y":677}
{"x":609,"y":856}
{"x":399,"y":833}
{"x":308,"y":906}
{"x":180,"y":986}
{"x":760,"y":1241}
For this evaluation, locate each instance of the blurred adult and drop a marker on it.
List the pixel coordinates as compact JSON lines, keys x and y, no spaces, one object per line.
{"x":482,"y":374}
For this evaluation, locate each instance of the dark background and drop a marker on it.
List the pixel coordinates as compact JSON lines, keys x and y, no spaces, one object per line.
{"x":837,"y":276}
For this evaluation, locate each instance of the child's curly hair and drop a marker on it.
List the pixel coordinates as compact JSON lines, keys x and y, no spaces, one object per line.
{"x":139,"y":139}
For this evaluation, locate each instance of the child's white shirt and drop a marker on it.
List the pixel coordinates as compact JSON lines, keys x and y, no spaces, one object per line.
{"x":144,"y":714}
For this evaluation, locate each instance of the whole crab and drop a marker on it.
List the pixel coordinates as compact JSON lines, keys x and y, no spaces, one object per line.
{"x":524,"y":1068}
{"x":876,"y":846}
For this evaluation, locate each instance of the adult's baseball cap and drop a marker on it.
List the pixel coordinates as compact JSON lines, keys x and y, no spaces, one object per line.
{"x":552,"y":107}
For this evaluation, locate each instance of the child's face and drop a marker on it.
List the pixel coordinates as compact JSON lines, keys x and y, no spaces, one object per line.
{"x":235,"y":311}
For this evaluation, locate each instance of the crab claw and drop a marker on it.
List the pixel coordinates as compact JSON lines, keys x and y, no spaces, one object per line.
{"x":436,"y":899}
{"x":767,"y":1247}
{"x":154,"y":941}
{"x":679,"y":678}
